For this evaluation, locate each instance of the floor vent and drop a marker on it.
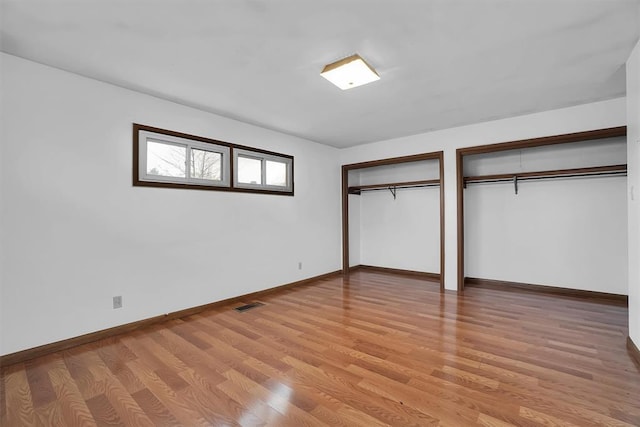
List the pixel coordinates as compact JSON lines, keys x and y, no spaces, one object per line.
{"x":248,"y":306}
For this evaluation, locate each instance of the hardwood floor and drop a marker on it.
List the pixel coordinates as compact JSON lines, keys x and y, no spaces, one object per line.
{"x":374,"y":349}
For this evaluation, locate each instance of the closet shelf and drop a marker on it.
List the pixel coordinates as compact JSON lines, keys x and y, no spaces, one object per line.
{"x":358,"y":189}
{"x":549,"y":174}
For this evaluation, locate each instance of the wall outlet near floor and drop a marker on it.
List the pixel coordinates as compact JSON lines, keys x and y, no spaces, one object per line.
{"x":117,"y":302}
{"x":299,"y":265}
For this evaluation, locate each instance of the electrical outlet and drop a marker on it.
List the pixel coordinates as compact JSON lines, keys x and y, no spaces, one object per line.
{"x":300,"y":265}
{"x":117,"y":302}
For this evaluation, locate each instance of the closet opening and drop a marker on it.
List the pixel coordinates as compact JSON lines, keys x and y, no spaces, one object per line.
{"x":546,"y":212}
{"x":393,"y":216}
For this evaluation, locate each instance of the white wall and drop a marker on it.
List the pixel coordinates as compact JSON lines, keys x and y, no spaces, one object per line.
{"x":574,"y":119}
{"x":76,"y":232}
{"x":569,"y":233}
{"x":597,"y":152}
{"x":354,"y":221}
{"x":403,"y":232}
{"x":633,"y":158}
{"x":2,"y":235}
{"x":563,"y":232}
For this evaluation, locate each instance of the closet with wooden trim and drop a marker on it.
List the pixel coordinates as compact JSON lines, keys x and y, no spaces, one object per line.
{"x":550,"y":214}
{"x":392,"y":215}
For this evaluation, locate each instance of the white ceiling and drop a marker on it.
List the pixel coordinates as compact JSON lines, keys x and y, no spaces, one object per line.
{"x":442,"y":63}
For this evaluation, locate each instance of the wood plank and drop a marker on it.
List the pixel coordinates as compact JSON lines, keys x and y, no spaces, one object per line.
{"x":51,"y":414}
{"x":179,"y":408}
{"x":20,"y":410}
{"x":72,"y":404}
{"x":155,"y":410}
{"x":42,"y":391}
{"x":103,"y":413}
{"x":125,"y":405}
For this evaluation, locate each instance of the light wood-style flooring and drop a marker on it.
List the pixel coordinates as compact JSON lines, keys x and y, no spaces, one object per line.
{"x":375,"y":349}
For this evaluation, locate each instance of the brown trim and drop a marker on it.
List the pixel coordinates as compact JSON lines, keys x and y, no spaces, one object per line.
{"x":633,"y":351}
{"x":136,"y":154}
{"x":437,"y":155}
{"x":547,"y":140}
{"x":558,"y":172}
{"x":232,"y":167}
{"x":526,"y":287}
{"x":345,"y":220}
{"x":212,"y":188}
{"x":432,"y":277}
{"x":393,"y":160}
{"x":139,"y":183}
{"x":31,"y":353}
{"x":293,"y":173}
{"x":460,"y":200}
{"x":514,"y":145}
{"x":357,"y":189}
{"x":442,"y":218}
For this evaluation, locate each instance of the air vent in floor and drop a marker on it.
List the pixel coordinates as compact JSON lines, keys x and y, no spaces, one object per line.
{"x":248,"y":306}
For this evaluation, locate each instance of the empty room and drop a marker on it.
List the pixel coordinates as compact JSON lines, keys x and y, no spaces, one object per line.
{"x":338,"y":213}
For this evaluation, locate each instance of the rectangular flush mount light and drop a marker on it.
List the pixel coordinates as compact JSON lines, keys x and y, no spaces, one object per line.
{"x":350,"y":72}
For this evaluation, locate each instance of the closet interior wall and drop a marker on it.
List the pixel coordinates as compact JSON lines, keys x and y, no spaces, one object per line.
{"x":355,"y":245}
{"x":396,"y":227}
{"x":563,"y":232}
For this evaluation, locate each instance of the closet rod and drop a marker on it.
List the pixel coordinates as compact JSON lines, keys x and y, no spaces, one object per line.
{"x":396,"y":187}
{"x":386,"y":186}
{"x":560,"y":173}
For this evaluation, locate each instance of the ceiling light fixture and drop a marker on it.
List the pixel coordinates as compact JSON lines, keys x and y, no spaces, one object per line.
{"x":350,"y":72}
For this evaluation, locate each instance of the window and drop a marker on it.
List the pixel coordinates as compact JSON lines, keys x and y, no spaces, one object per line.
{"x":167,"y":158}
{"x":170,"y":159}
{"x":249,"y":170}
{"x":255,"y":169}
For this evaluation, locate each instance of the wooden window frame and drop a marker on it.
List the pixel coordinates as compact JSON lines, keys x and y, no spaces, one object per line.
{"x":263,"y":158}
{"x":228,"y":167}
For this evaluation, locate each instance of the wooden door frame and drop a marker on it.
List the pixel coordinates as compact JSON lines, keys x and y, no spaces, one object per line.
{"x":437,"y":155}
{"x":514,"y":145}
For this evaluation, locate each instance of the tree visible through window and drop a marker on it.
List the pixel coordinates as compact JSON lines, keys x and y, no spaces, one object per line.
{"x":206,"y":165}
{"x":166,"y":159}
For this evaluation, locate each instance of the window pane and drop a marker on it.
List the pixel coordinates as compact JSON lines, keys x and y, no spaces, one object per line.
{"x":206,"y":165}
{"x":249,"y":170}
{"x":276,"y":173}
{"x":166,"y":159}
